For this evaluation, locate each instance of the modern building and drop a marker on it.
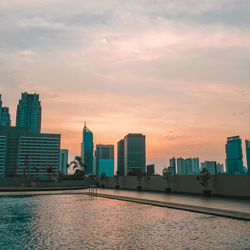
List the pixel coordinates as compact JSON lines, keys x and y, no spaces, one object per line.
{"x":134,"y":153}
{"x":23,"y":152}
{"x":234,"y":156}
{"x":104,"y":152}
{"x":189,"y":166}
{"x":87,"y":148}
{"x":29,"y":112}
{"x":248,"y":155}
{"x":172,"y":166}
{"x":4,"y":115}
{"x":106,"y":166}
{"x":120,"y":157}
{"x":63,"y":161}
{"x":211,"y":166}
{"x":151,"y":169}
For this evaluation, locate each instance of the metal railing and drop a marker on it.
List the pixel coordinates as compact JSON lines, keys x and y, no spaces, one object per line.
{"x":93,"y":190}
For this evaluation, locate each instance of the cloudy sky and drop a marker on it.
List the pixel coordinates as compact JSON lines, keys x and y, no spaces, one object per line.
{"x":177,"y":71}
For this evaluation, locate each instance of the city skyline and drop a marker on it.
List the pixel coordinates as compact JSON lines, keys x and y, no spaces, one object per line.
{"x":187,"y":89}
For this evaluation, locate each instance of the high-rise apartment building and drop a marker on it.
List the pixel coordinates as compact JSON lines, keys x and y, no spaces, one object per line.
{"x":120,"y":157}
{"x":87,"y":148}
{"x":26,"y":152}
{"x":4,"y":115}
{"x":234,"y":156}
{"x":213,"y":167}
{"x":134,"y":153}
{"x":104,"y":155}
{"x":248,"y":155}
{"x":189,"y":166}
{"x":172,"y":166}
{"x":29,"y":112}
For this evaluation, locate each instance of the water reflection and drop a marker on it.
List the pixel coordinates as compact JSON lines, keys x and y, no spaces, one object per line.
{"x":80,"y":222}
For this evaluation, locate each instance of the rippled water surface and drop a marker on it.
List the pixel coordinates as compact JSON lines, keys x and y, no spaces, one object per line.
{"x":82,"y":222}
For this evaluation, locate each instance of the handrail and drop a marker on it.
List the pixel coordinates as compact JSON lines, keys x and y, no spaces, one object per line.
{"x":93,"y":190}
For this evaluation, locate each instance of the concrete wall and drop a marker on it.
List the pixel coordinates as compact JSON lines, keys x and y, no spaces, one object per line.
{"x":224,"y":185}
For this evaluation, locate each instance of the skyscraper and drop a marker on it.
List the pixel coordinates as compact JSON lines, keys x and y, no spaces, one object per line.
{"x":29,"y":112}
{"x":87,"y":148}
{"x":234,"y":163}
{"x":63,"y":161}
{"x":134,"y":153}
{"x":248,"y":155}
{"x":120,"y":157}
{"x":172,"y":166}
{"x":4,"y":115}
{"x":104,"y":159}
{"x":189,"y":166}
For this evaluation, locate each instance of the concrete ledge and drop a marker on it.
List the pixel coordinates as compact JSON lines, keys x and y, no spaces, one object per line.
{"x":198,"y":209}
{"x":21,"y":189}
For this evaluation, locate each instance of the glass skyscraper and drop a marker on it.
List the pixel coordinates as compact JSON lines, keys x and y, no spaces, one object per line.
{"x":29,"y":112}
{"x":4,"y":115}
{"x":234,"y":163}
{"x":120,"y":157}
{"x":87,"y":148}
{"x":134,"y":153}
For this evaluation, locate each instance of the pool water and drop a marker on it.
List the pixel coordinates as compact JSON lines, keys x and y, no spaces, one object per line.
{"x":83,"y":222}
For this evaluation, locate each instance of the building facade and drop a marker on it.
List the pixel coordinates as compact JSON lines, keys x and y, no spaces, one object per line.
{"x":120,"y":157}
{"x":189,"y":166}
{"x":26,"y":153}
{"x":248,"y":155}
{"x":234,"y":156}
{"x":150,"y":169}
{"x":134,"y":153}
{"x":4,"y":115}
{"x":172,"y":166}
{"x":87,"y":148}
{"x":29,"y":112}
{"x":104,"y":152}
{"x":63,"y":161}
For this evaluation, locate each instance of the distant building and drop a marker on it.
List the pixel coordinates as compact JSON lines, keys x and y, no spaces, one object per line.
{"x":120,"y":157}
{"x":211,"y":166}
{"x":104,"y":152}
{"x":220,"y":168}
{"x":87,"y":148}
{"x":181,"y":166}
{"x":4,"y":115}
{"x":134,"y":152}
{"x":63,"y":161}
{"x":106,"y":166}
{"x":29,"y":113}
{"x":234,"y":156}
{"x":189,"y":166}
{"x":172,"y":166}
{"x":248,"y":155}
{"x":150,"y":169}
{"x":26,"y":153}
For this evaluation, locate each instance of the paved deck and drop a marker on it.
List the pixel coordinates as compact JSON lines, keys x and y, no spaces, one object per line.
{"x":227,"y":207}
{"x":233,"y":208}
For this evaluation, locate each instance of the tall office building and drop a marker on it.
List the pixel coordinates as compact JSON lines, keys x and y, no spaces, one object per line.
{"x":87,"y":148}
{"x":4,"y":115}
{"x":63,"y":161}
{"x":248,"y":155}
{"x":29,"y":112}
{"x":234,"y":163}
{"x":22,"y":150}
{"x":104,"y":155}
{"x":120,"y":157}
{"x":134,"y":153}
{"x":181,"y":169}
{"x":213,"y":167}
{"x":195,"y":166}
{"x":172,"y":166}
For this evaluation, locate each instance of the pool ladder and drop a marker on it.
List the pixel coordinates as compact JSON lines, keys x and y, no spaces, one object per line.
{"x":93,"y":190}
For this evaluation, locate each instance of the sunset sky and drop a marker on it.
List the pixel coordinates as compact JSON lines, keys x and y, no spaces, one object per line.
{"x":176,"y":71}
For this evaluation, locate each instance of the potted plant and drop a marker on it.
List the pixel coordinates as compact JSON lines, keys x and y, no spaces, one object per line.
{"x":139,"y":175}
{"x":167,"y":174}
{"x":203,"y":178}
{"x":103,"y":176}
{"x":117,"y":176}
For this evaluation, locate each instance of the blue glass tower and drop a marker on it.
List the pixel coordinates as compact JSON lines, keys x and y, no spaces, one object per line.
{"x":87,"y":150}
{"x":234,"y":163}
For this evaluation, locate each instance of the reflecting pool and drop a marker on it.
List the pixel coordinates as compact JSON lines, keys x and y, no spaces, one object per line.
{"x":83,"y":222}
